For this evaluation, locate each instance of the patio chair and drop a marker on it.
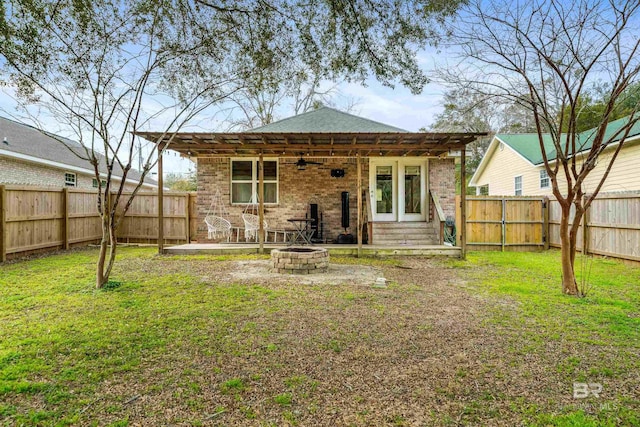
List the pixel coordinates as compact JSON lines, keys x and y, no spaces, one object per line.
{"x":252,"y":225}
{"x":218,"y":227}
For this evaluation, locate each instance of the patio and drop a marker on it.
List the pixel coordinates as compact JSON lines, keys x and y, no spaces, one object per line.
{"x":334,"y":249}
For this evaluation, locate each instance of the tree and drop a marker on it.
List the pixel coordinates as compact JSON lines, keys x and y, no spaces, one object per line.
{"x":181,"y":182}
{"x":546,"y":56}
{"x":107,"y":69}
{"x":95,"y":68}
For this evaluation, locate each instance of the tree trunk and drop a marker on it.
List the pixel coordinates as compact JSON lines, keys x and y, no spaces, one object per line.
{"x":101,"y":279}
{"x":568,"y":252}
{"x":113,"y":240}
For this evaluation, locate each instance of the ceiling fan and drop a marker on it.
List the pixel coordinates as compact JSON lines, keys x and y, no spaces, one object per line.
{"x":301,"y":163}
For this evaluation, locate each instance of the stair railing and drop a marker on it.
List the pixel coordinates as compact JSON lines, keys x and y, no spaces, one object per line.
{"x":439,"y":215}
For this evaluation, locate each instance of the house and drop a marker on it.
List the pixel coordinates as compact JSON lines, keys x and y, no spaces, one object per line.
{"x":513,"y":165}
{"x":30,"y":157}
{"x":399,"y":186}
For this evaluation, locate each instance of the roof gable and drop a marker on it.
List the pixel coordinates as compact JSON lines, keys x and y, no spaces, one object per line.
{"x":326,"y":120}
{"x":528,"y":146}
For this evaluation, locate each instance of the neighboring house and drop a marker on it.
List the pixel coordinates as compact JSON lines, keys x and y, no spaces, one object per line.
{"x":513,"y":165}
{"x":30,"y":157}
{"x":312,"y":159}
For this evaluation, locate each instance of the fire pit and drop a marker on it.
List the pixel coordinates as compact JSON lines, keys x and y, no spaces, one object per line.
{"x":300,"y":260}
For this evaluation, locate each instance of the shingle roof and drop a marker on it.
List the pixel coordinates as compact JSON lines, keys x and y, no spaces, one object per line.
{"x":27,"y":140}
{"x":527,"y":145}
{"x":327,"y":120}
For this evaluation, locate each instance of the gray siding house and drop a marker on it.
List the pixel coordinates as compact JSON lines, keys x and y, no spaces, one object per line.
{"x":30,"y":157}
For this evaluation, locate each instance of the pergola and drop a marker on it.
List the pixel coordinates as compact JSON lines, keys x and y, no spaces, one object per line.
{"x":316,"y":144}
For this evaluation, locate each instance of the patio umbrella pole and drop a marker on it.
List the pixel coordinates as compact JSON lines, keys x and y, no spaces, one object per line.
{"x":261,"y":203}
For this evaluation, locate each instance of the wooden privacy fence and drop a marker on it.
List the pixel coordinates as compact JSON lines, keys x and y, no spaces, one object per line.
{"x":613,"y":226}
{"x":506,"y":223}
{"x":38,"y":219}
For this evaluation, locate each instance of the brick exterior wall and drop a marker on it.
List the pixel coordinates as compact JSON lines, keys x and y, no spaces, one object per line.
{"x":16,"y":172}
{"x":442,"y":181}
{"x":297,"y":189}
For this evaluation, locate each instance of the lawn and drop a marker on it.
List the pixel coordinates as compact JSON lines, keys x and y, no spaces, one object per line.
{"x":185,"y":341}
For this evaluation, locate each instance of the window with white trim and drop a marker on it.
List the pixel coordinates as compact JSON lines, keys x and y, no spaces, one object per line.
{"x":544,"y":179}
{"x":69,"y":179}
{"x":483,"y":190}
{"x":517,"y":183}
{"x":244,"y":180}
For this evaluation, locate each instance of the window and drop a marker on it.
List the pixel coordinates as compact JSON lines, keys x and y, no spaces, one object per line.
{"x":483,"y":190}
{"x":69,"y":179}
{"x":103,"y":182}
{"x":544,"y":179}
{"x":518,"y":185}
{"x":244,"y":180}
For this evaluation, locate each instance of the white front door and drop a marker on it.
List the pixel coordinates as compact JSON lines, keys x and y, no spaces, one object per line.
{"x":383,"y":190}
{"x":412,"y":190}
{"x":398,"y":189}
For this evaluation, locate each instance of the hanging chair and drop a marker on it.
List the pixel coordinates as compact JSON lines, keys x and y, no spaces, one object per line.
{"x":217,"y":225}
{"x":252,"y":221}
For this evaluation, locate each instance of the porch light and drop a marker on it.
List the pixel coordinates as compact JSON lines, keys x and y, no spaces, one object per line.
{"x":301,"y":166}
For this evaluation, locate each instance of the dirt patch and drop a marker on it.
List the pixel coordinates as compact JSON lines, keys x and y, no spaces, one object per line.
{"x":260,"y":272}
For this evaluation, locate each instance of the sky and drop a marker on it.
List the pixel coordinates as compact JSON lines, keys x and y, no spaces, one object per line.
{"x":394,"y":106}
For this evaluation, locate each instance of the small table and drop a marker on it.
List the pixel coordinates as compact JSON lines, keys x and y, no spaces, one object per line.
{"x":302,"y":235}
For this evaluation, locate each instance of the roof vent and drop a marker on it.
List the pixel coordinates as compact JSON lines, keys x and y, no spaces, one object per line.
{"x":5,"y":140}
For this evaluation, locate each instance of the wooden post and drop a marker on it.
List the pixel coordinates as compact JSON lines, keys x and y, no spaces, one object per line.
{"x":188,"y":216}
{"x":585,"y":228}
{"x":503,"y":225}
{"x":261,"y":203}
{"x":160,"y":204}
{"x":359,"y":220}
{"x":545,"y":225}
{"x":3,"y":223}
{"x":65,"y":221}
{"x":463,"y":204}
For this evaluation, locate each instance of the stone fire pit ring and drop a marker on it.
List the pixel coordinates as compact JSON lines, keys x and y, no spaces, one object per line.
{"x":300,"y":260}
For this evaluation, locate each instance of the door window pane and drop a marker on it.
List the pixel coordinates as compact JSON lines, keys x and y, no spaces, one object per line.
{"x":412,"y":189}
{"x":384,"y":189}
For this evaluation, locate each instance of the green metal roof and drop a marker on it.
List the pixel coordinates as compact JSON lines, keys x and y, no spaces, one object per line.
{"x":328,"y":120}
{"x":527,"y":145}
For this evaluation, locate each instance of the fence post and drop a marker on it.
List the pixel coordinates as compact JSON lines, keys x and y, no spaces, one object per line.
{"x":3,"y":223}
{"x":585,"y":228}
{"x":65,"y":220}
{"x":188,"y":217}
{"x":503,"y":229}
{"x":545,"y":225}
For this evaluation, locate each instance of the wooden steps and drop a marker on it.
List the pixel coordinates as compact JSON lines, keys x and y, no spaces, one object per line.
{"x":404,"y":233}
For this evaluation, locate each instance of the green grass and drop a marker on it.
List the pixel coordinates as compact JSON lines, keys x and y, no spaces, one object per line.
{"x":609,"y":315}
{"x":607,"y":318}
{"x":169,"y":332}
{"x":61,"y":338}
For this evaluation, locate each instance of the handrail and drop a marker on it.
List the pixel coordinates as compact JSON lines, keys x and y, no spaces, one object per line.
{"x":441,"y":218}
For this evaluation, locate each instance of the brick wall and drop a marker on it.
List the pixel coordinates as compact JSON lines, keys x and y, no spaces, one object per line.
{"x":17,"y":172}
{"x":442,"y":181}
{"x":313,"y":185}
{"x":297,"y":189}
